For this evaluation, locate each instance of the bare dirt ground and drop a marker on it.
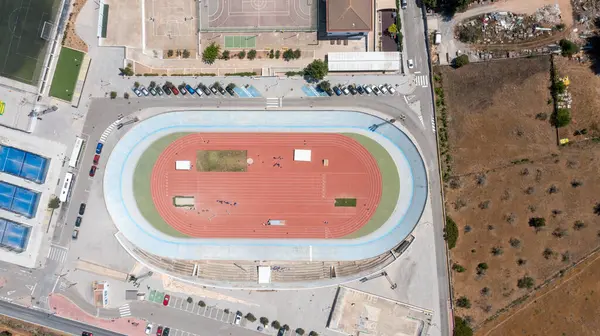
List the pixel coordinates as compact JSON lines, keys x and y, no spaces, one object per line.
{"x":20,"y":328}
{"x":71,"y":39}
{"x":569,"y":306}
{"x":585,"y":91}
{"x":507,"y":169}
{"x":521,"y":7}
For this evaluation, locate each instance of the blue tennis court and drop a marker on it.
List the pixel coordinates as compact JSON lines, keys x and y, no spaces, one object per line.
{"x":13,"y":236}
{"x":24,"y":164}
{"x":18,"y":200}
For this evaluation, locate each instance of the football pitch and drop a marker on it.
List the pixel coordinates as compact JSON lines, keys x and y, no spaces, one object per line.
{"x":22,"y":49}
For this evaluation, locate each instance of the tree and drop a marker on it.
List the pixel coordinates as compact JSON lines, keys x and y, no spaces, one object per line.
{"x":275,"y":324}
{"x":250,"y":317}
{"x":451,"y":232}
{"x":5,"y":333}
{"x":152,"y":84}
{"x":288,"y":55}
{"x":316,"y":70}
{"x":272,"y":54}
{"x":562,"y":117}
{"x":126,"y":95}
{"x":170,"y":53}
{"x":481,"y":268}
{"x":526,"y":282}
{"x":217,"y":85}
{"x":461,"y":61}
{"x":126,"y":71}
{"x":113,"y":94}
{"x":136,"y":85}
{"x":393,"y":29}
{"x":277,"y":54}
{"x":568,"y":48}
{"x":463,"y":302}
{"x":286,"y":327}
{"x":325,"y":85}
{"x":297,"y":53}
{"x":242,"y":54}
{"x":537,"y":222}
{"x":461,"y":327}
{"x":54,"y":203}
{"x":559,"y":87}
{"x":300,"y":331}
{"x":458,"y":268}
{"x":226,"y":310}
{"x":251,"y":54}
{"x":211,"y":53}
{"x":186,"y":53}
{"x":313,"y":333}
{"x":264,"y":321}
{"x":230,"y":86}
{"x":225,"y":55}
{"x":201,"y":304}
{"x":189,"y":299}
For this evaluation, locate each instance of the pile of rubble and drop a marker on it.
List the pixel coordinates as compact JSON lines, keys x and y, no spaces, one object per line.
{"x":507,"y":27}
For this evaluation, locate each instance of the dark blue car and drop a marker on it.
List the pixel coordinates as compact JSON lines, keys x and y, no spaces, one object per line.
{"x":99,"y":148}
{"x":337,"y":90}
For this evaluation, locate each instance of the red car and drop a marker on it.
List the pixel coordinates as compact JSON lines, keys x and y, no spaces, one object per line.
{"x":175,"y":91}
{"x":96,"y":159}
{"x":166,"y":300}
{"x":159,"y":331}
{"x":92,"y":171}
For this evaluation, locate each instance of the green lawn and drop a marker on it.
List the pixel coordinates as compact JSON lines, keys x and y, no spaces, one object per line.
{"x":141,"y":184}
{"x":66,"y":73}
{"x":345,"y":202}
{"x":390,"y":189}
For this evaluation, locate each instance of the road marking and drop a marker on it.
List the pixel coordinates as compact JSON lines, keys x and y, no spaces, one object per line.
{"x":56,"y":283}
{"x":10,"y":293}
{"x":109,"y":129}
{"x":124,"y":310}
{"x":274,"y":102}
{"x":433,"y":124}
{"x":422,"y":80}
{"x":57,"y":253}
{"x":32,"y":288}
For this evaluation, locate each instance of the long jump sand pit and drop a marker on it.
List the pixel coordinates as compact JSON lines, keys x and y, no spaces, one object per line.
{"x":258,"y":14}
{"x":268,"y":194}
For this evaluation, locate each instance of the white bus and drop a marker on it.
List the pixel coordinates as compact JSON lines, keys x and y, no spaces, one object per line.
{"x":66,"y":189}
{"x":76,"y":152}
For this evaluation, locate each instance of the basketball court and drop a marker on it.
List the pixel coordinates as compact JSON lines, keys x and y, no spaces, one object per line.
{"x":258,"y":15}
{"x":25,"y":28}
{"x":171,"y":24}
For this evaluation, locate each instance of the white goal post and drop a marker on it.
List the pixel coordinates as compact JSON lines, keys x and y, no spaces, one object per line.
{"x":47,"y":31}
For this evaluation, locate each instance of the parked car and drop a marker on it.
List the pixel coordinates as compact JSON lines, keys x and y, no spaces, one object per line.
{"x":152,"y":91}
{"x":376,"y":90}
{"x":96,"y":159}
{"x":352,"y":90}
{"x":144,"y":91}
{"x":166,"y":89}
{"x":75,"y":234}
{"x":330,"y":92}
{"x":159,"y":331}
{"x":238,"y":318}
{"x":390,"y":88}
{"x":78,"y":221}
{"x":85,"y":333}
{"x":166,"y":331}
{"x":229,"y":90}
{"x":81,"y":209}
{"x":199,"y":91}
{"x":137,"y":92}
{"x":175,"y":91}
{"x":281,"y":331}
{"x":206,"y":90}
{"x":190,"y":89}
{"x":410,"y":64}
{"x":221,"y":90}
{"x":99,"y":147}
{"x":213,"y":89}
{"x":368,"y":89}
{"x":383,"y":89}
{"x":337,"y":90}
{"x":360,"y":89}
{"x":166,"y":300}
{"x":149,"y":328}
{"x":159,"y":91}
{"x":182,"y":90}
{"x":92,"y":171}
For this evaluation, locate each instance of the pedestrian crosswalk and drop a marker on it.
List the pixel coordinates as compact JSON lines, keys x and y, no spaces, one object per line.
{"x":421,"y":80}
{"x":274,"y":102}
{"x":57,"y":253}
{"x":109,"y":129}
{"x":124,"y":310}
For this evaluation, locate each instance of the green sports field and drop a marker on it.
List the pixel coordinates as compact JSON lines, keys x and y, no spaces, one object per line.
{"x":22,"y":50}
{"x":66,"y":73}
{"x":387,"y":167}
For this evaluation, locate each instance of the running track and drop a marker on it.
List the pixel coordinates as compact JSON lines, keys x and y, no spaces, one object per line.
{"x":301,"y":193}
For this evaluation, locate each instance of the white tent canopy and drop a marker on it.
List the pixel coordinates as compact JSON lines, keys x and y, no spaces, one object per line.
{"x":183,"y":165}
{"x":264,"y":274}
{"x":302,"y":155}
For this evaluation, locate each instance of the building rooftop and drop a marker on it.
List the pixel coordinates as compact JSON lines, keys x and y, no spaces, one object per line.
{"x":349,"y":15}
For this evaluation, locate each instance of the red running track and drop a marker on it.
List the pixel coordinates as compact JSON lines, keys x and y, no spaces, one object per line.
{"x":301,"y":193}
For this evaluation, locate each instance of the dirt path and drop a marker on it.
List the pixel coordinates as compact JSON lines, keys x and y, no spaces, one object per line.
{"x":71,"y":39}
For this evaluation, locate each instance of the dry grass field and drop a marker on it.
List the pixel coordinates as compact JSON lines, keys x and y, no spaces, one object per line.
{"x":507,"y":169}
{"x":20,"y":328}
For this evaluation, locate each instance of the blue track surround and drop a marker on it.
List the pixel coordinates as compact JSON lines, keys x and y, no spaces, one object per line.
{"x":121,"y":204}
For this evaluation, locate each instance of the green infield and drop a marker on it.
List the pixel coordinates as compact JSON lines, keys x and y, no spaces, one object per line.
{"x":345,"y":202}
{"x":221,"y":160}
{"x":66,"y":73}
{"x":390,"y":189}
{"x":23,"y":48}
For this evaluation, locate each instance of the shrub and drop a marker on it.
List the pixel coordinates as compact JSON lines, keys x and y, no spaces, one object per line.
{"x":264,"y":321}
{"x":526,"y":282}
{"x":559,"y":232}
{"x":242,"y":54}
{"x":597,"y":209}
{"x":484,"y":205}
{"x":211,"y":53}
{"x":113,"y":94}
{"x":297,"y":53}
{"x":288,"y":55}
{"x":461,"y":327}
{"x":537,"y":222}
{"x":250,"y":317}
{"x":553,"y":189}
{"x":226,"y":310}
{"x":299,"y":331}
{"x":325,"y":85}
{"x":461,"y":60}
{"x":277,"y":55}
{"x":463,"y":302}
{"x":252,"y":54}
{"x":548,"y":253}
{"x":458,"y":268}
{"x":485,"y":291}
{"x":521,"y":261}
{"x":568,"y":48}
{"x":170,"y":53}
{"x":316,"y":70}
{"x":186,"y":53}
{"x":481,"y":268}
{"x":562,"y":117}
{"x":566,"y":257}
{"x":286,"y":327}
{"x":451,"y":232}
{"x":579,"y":225}
{"x":576,"y":183}
{"x":392,"y":29}
{"x":496,"y":251}
{"x":468,"y":228}
{"x":313,"y":333}
{"x":54,"y":203}
{"x":126,"y":95}
{"x":189,"y":299}
{"x":514,"y":242}
{"x":271,"y":54}
{"x":201,"y":304}
{"x":136,"y":85}
{"x":275,"y":324}
{"x":225,"y":55}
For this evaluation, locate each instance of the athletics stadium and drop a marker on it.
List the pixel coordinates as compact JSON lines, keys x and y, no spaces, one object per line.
{"x":265,"y":199}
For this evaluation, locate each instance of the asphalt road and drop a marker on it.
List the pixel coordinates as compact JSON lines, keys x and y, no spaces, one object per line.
{"x":49,"y":320}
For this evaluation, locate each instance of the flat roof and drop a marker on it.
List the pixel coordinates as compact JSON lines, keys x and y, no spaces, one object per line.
{"x":356,"y":313}
{"x":349,"y":15}
{"x":364,"y":61}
